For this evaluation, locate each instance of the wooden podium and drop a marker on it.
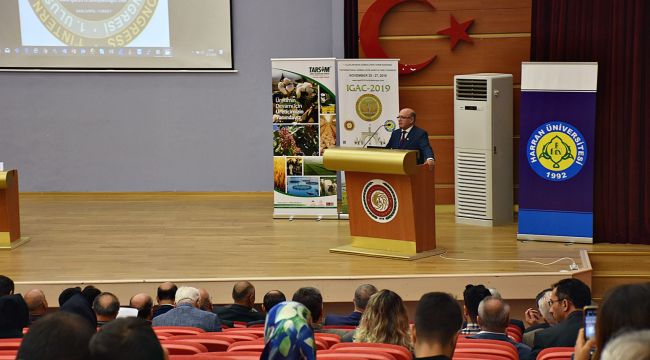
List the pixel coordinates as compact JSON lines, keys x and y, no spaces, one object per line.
{"x":9,"y":213}
{"x":391,"y":202}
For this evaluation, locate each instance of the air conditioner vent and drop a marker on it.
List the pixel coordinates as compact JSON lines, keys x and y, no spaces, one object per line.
{"x":471,"y":89}
{"x":471,"y":186}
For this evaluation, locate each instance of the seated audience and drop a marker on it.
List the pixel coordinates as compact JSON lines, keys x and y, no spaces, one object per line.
{"x":90,"y":293}
{"x":384,"y":321}
{"x":438,"y":320}
{"x":126,"y":339}
{"x":14,"y":316}
{"x":313,"y":300}
{"x":205,"y":302}
{"x":187,"y":312}
{"x":106,"y":307}
{"x":361,"y":297}
{"x":271,"y":299}
{"x":493,"y":318}
{"x":59,"y":335}
{"x":68,"y":293}
{"x":6,"y":286}
{"x":36,"y":304}
{"x":144,"y":304}
{"x":630,"y":345}
{"x":624,"y":308}
{"x":243,"y":294}
{"x":77,"y":304}
{"x":165,"y":298}
{"x":568,"y":298}
{"x":518,"y":323}
{"x":472,"y":296}
{"x":538,"y":319}
{"x":288,"y":334}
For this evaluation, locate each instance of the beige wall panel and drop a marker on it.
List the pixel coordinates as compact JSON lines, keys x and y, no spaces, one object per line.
{"x":397,"y":23}
{"x":502,"y":55}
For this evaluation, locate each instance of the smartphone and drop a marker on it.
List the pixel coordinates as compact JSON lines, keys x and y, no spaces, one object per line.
{"x":589,"y":318}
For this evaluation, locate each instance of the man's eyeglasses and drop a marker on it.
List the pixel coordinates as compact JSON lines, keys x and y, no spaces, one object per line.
{"x":403,"y":117}
{"x":551,"y":301}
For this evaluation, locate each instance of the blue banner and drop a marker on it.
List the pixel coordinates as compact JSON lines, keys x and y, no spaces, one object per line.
{"x":556,"y":157}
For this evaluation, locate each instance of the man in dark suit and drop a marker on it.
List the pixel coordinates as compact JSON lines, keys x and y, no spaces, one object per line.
{"x":361,"y":297}
{"x":494,"y":318}
{"x":165,"y":297}
{"x":411,"y":137}
{"x":243,"y":294}
{"x":568,"y":298}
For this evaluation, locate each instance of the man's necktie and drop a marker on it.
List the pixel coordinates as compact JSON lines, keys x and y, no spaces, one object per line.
{"x":403,"y":139}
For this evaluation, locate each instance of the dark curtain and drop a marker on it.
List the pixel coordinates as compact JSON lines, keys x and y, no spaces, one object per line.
{"x":351,"y":33}
{"x":616,"y":34}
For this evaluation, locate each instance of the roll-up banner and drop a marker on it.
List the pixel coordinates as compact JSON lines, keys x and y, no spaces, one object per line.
{"x":304,"y":124}
{"x":556,"y":157}
{"x":368,"y":105}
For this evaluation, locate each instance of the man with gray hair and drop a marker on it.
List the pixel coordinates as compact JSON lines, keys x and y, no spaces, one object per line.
{"x":630,"y":345}
{"x":539,"y":319}
{"x":361,"y":297}
{"x":493,"y":318}
{"x":187,"y":312}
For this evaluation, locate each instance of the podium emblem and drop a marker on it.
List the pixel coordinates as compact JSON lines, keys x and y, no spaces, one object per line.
{"x":379,"y":200}
{"x":556,"y":151}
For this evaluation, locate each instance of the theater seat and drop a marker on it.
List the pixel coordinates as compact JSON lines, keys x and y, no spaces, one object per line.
{"x":253,"y":345}
{"x":330,"y":339}
{"x":178,"y":330}
{"x":514,"y":332}
{"x":556,"y":353}
{"x":399,"y":352}
{"x":368,"y":353}
{"x":234,"y":355}
{"x":259,"y":332}
{"x":183,"y":348}
{"x":10,"y":344}
{"x":213,"y":345}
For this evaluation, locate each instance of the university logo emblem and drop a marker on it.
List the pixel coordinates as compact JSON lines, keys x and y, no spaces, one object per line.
{"x":368,"y":107}
{"x":379,"y":200}
{"x":556,"y":151}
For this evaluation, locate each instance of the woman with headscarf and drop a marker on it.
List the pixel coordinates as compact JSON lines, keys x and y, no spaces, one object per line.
{"x":384,"y":321}
{"x":288,"y":333}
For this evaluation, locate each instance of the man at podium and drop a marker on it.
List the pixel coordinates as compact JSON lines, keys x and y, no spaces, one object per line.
{"x":411,"y":137}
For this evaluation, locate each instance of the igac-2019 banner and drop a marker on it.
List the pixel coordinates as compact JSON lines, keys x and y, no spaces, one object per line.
{"x":557,"y":147}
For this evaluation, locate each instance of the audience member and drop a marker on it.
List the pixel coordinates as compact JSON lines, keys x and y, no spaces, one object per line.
{"x":6,"y":286}
{"x":106,"y":307}
{"x":126,"y":339}
{"x":90,"y":293}
{"x":243,"y":294}
{"x":59,"y":335}
{"x":205,"y":302}
{"x":538,"y":319}
{"x":165,"y":298}
{"x":472,"y":296}
{"x":187,"y":312}
{"x":630,"y":345}
{"x":361,"y":296}
{"x":68,"y":293}
{"x":144,"y":304}
{"x":77,"y":304}
{"x":36,"y":304}
{"x":494,"y":318}
{"x":384,"y":321}
{"x":313,"y":300}
{"x":288,"y":334}
{"x":271,"y":299}
{"x":624,"y":308}
{"x":568,"y":298}
{"x":14,"y":316}
{"x":438,"y":320}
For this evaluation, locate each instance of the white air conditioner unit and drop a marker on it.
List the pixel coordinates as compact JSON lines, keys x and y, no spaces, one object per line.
{"x":483,"y":148}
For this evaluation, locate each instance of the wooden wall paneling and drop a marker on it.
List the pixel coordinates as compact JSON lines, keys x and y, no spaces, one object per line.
{"x":444,"y":195}
{"x":434,"y":108}
{"x":455,"y":5}
{"x":444,"y":150}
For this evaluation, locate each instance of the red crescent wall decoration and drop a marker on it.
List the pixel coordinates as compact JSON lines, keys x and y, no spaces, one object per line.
{"x":369,"y":33}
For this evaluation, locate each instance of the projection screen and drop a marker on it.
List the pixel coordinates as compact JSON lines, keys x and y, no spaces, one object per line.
{"x":116,"y":34}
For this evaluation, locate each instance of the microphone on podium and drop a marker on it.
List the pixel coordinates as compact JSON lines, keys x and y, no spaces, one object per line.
{"x":385,"y":125}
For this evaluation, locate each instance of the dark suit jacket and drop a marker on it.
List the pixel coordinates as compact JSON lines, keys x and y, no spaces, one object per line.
{"x":416,"y":139}
{"x":522,"y":349}
{"x":237,"y":312}
{"x":350,"y":320}
{"x":562,"y":334}
{"x":162,"y":309}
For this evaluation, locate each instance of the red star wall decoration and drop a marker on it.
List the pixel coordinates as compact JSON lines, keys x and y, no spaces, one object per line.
{"x":457,"y":32}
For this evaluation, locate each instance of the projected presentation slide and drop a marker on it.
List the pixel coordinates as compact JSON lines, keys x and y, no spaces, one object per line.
{"x":115,"y":34}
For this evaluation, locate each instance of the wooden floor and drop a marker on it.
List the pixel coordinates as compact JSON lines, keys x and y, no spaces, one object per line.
{"x":214,"y":238}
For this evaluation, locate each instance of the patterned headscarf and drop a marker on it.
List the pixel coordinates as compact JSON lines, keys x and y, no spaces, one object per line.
{"x":287,"y":333}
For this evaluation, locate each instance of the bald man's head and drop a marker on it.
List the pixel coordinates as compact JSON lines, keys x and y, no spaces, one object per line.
{"x":493,"y":314}
{"x":205,"y":303}
{"x":144,"y":304}
{"x":166,"y":293}
{"x":36,"y":302}
{"x":243,"y":293}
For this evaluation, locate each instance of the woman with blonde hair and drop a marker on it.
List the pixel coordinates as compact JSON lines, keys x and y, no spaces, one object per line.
{"x":384,"y":321}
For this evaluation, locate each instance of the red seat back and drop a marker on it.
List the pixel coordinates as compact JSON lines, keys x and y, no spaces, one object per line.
{"x":556,"y":353}
{"x":178,"y":330}
{"x":398,"y":352}
{"x":183,"y":347}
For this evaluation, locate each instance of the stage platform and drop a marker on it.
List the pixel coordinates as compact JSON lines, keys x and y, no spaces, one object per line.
{"x":130,"y":242}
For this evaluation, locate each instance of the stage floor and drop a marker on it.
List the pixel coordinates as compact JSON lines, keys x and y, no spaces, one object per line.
{"x":139,"y":240}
